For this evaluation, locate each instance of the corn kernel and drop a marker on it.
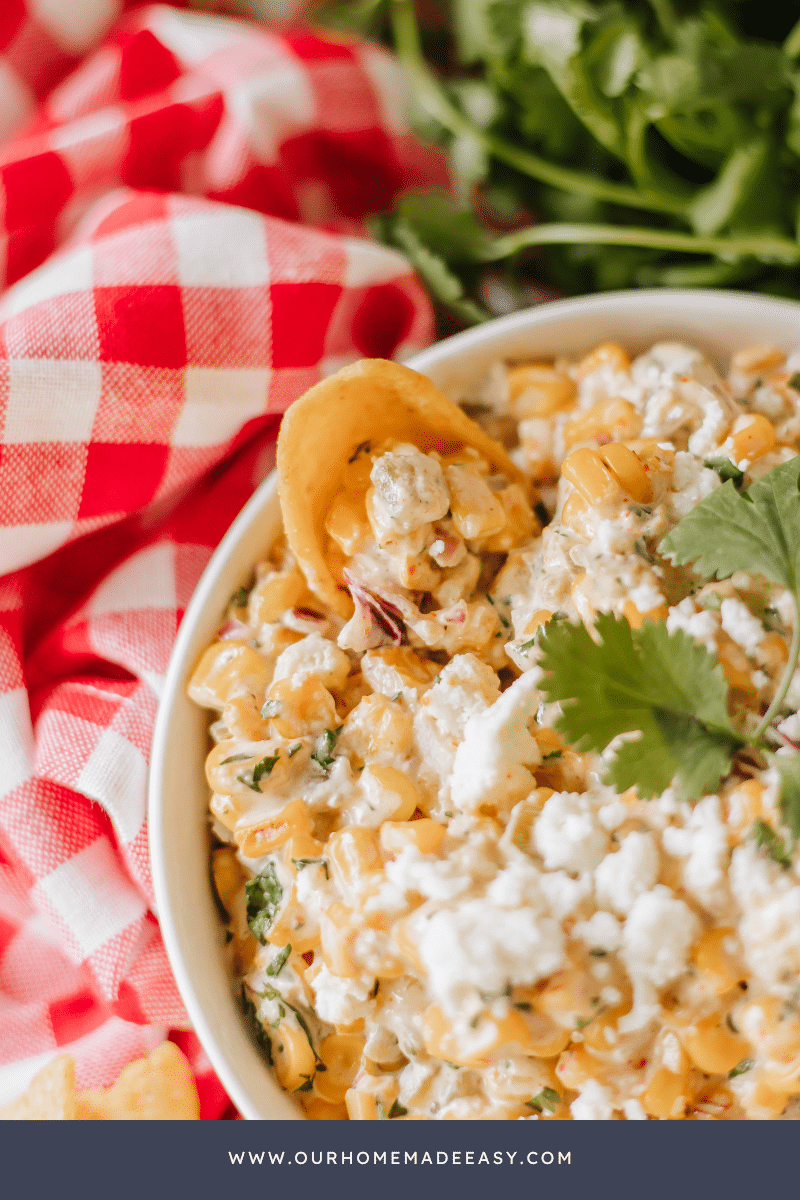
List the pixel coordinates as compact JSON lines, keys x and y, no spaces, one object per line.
{"x":378,"y":729}
{"x":615,"y":420}
{"x":589,"y":475}
{"x":226,"y":667}
{"x":607,"y":354}
{"x":399,"y":785}
{"x":715,"y":960}
{"x":353,"y":855}
{"x":755,"y":440}
{"x":538,"y":390}
{"x":488,"y":1036}
{"x":636,"y":618}
{"x":347,"y":522}
{"x":341,"y":1054}
{"x":425,"y":834}
{"x":628,"y":471}
{"x":228,"y":876}
{"x":520,"y":522}
{"x":578,"y":516}
{"x":308,"y":708}
{"x":267,"y":835}
{"x":713,"y":1047}
{"x":320,"y":1110}
{"x":292,"y":1056}
{"x":477,"y":512}
{"x":273,"y":594}
{"x":666,"y":1095}
{"x":760,"y":357}
{"x":361,"y":1106}
{"x":338,"y":935}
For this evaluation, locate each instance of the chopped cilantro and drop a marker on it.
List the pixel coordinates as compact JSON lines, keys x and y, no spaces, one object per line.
{"x":302,"y":863}
{"x":262,"y":767}
{"x":526,"y":646}
{"x":240,"y":597}
{"x":322,"y":754}
{"x":257,"y":1029}
{"x":548,"y":1100}
{"x":397,"y":696}
{"x":362,"y":448}
{"x":778,"y":848}
{"x":503,"y":620}
{"x":279,"y":962}
{"x":596,"y":952}
{"x":235,"y":758}
{"x":746,"y":1064}
{"x":295,"y":749}
{"x":264,"y":895}
{"x":270,"y":708}
{"x":711,"y":600}
{"x":726,"y":470}
{"x":552,"y":755}
{"x":794,"y":381}
{"x":396,"y":1111}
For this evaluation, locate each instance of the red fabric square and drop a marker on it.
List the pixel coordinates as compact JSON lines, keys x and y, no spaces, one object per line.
{"x":11,"y":16}
{"x":72,"y":1017}
{"x":147,"y":65}
{"x":126,"y":319}
{"x":312,"y":47}
{"x":300,"y":316}
{"x":36,"y":189}
{"x":139,"y":210}
{"x":120,"y":478}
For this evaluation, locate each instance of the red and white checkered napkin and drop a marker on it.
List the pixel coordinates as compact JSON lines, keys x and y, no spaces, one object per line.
{"x":142,"y":369}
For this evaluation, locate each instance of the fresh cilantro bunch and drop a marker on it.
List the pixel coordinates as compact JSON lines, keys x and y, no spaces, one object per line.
{"x":667,"y":690}
{"x":652,"y":142}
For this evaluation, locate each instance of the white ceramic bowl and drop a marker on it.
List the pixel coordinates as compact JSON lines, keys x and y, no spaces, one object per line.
{"x":716,"y":322}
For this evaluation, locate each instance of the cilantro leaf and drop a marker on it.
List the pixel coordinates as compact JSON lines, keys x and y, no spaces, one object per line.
{"x":547,"y":1100}
{"x":256,"y":1027}
{"x":725,"y":469}
{"x":279,"y":962}
{"x":264,"y":895}
{"x":323,"y":754}
{"x":778,"y":848}
{"x":757,"y":530}
{"x":788,"y":767}
{"x":664,"y":686}
{"x":263,"y":767}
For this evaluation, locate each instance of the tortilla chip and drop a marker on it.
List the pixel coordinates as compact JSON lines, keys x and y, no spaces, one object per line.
{"x":367,"y":402}
{"x":50,"y":1096}
{"x":158,"y":1088}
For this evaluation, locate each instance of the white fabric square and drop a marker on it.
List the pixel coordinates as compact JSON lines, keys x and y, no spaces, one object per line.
{"x":51,"y":400}
{"x":116,"y":776}
{"x":59,"y":277}
{"x":392,"y":88}
{"x":18,"y":101}
{"x":16,"y":738}
{"x":75,"y":24}
{"x":193,"y":37}
{"x":368,"y":264}
{"x":218,"y":401}
{"x":93,"y":896}
{"x":24,"y":544}
{"x":273,"y":106}
{"x":239,"y":259}
{"x":145,"y":580}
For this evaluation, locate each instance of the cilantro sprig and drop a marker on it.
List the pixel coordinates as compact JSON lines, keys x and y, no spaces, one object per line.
{"x":667,"y":688}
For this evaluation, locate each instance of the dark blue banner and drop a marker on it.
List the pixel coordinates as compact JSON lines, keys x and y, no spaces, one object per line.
{"x":151,"y":1161}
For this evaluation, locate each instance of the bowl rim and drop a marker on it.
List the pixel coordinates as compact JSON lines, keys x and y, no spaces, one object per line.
{"x":471,"y":343}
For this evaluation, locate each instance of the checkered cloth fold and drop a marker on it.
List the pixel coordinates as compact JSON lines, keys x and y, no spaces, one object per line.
{"x":182,"y":217}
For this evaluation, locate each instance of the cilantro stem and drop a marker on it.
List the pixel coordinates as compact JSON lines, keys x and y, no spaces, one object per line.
{"x":786,"y":679}
{"x":659,"y":239}
{"x":432,"y":97}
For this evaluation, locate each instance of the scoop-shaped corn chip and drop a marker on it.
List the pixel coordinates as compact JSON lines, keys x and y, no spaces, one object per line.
{"x":367,"y":402}
{"x":158,"y":1088}
{"x":50,"y":1095}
